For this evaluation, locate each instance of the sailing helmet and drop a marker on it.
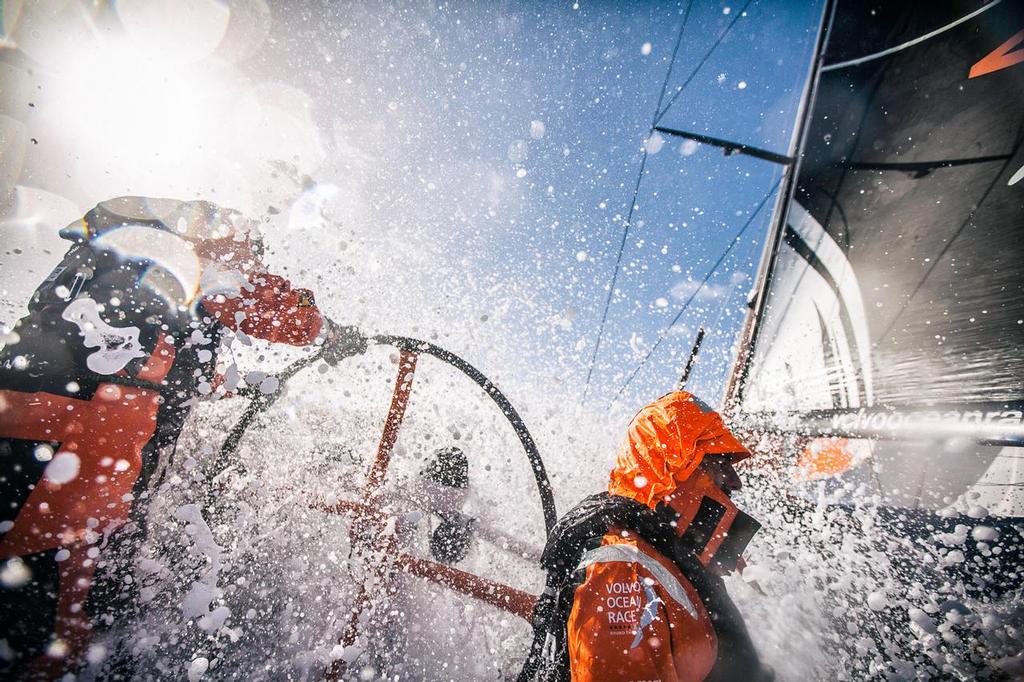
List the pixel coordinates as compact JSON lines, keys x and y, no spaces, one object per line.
{"x":216,"y":233}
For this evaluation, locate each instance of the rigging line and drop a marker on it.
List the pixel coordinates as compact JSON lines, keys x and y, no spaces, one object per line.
{"x":700,"y":64}
{"x":721,"y":259}
{"x":672,"y":63}
{"x":713,"y":327}
{"x":632,"y":206}
{"x":724,"y":305}
{"x":615,"y":273}
{"x":909,"y":43}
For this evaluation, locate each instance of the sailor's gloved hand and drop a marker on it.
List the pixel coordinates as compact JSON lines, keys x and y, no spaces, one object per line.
{"x":341,"y":342}
{"x":449,"y":543}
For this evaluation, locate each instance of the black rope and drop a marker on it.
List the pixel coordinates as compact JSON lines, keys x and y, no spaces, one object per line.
{"x":260,"y":403}
{"x":544,"y":489}
{"x":721,"y":259}
{"x":704,"y":59}
{"x":615,"y":273}
{"x":671,"y":64}
{"x":632,"y":206}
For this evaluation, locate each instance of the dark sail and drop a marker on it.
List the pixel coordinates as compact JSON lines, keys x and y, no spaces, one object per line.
{"x":895,"y":307}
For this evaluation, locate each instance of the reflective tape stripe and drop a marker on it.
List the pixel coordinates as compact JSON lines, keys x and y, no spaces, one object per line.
{"x":630,"y":554}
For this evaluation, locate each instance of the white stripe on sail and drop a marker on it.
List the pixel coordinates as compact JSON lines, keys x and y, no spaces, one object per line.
{"x":909,"y":43}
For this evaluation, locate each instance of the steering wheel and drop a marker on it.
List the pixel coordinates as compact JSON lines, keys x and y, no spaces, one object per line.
{"x":364,"y":511}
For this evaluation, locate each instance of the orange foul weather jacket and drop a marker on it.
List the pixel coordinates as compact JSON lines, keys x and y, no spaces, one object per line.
{"x":118,"y":341}
{"x":636,"y":617}
{"x":642,"y":613}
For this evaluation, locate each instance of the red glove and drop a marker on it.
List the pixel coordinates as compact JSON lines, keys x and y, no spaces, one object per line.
{"x":273,"y":311}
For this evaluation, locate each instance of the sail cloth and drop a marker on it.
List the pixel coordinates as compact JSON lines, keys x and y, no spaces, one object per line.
{"x":896,"y":301}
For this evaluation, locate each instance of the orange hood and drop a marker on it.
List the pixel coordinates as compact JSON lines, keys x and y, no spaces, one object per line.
{"x":665,"y":443}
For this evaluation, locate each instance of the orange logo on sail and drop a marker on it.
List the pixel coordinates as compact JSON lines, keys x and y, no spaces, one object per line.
{"x":1000,"y":58}
{"x":824,"y":457}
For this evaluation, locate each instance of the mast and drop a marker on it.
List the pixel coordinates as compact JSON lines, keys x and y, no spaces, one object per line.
{"x":748,"y":337}
{"x":890,"y":304}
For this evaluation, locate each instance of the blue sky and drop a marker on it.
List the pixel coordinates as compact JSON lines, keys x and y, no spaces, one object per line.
{"x":478,"y":161}
{"x":557,"y":99}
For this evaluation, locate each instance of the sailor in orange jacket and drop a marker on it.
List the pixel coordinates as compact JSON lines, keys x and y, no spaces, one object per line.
{"x":102,"y":372}
{"x":634,"y":584}
{"x":639,"y":614}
